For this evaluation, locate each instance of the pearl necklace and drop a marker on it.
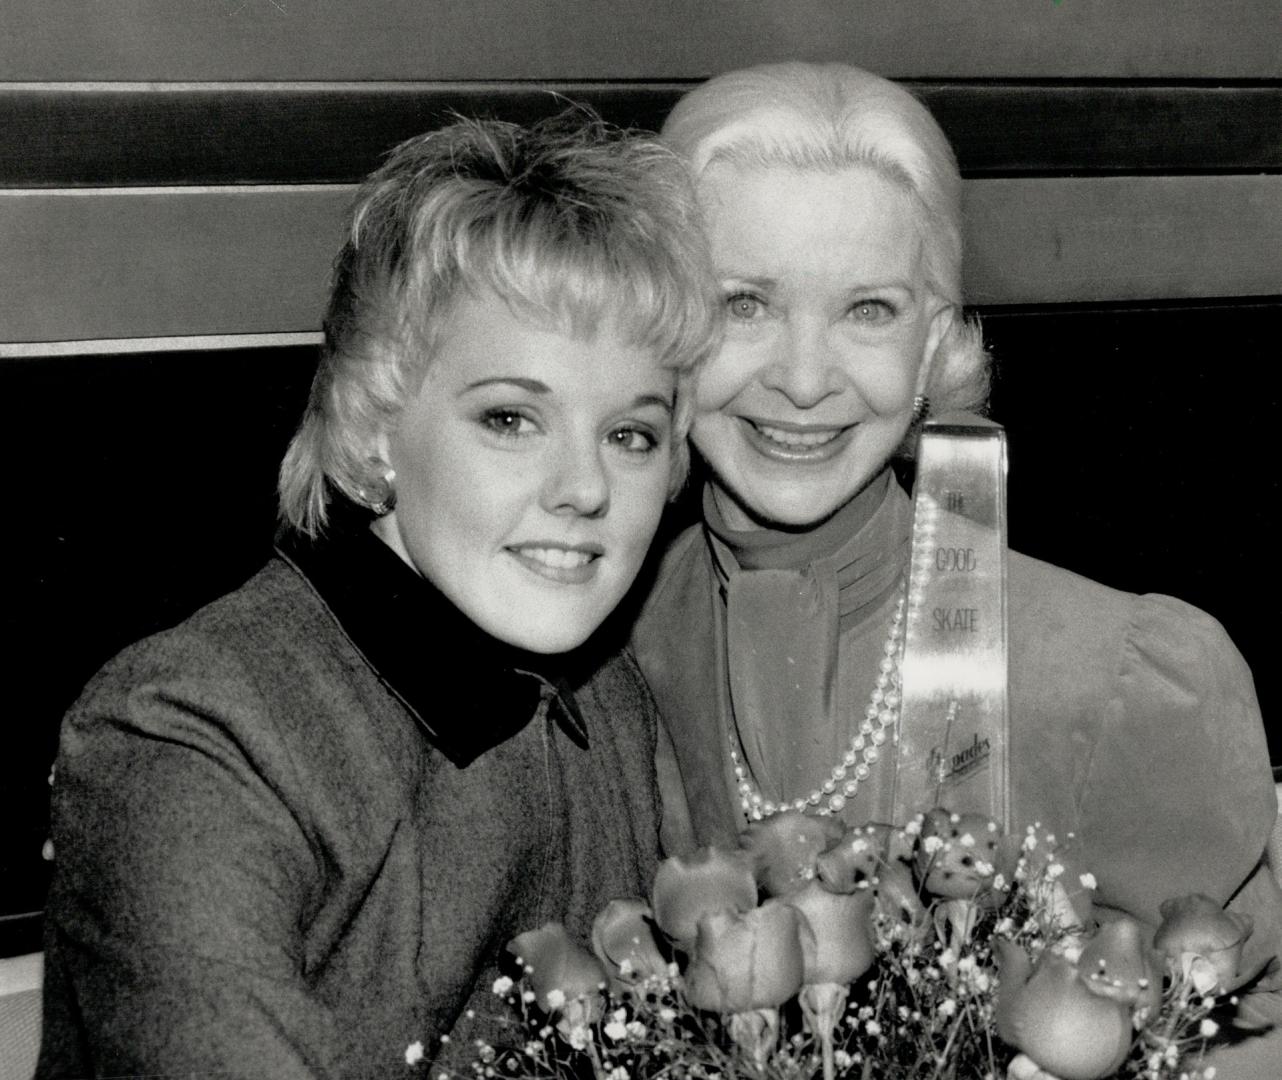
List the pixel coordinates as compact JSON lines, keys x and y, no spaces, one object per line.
{"x":881,"y":716}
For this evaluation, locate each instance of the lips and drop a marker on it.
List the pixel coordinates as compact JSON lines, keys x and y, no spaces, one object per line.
{"x":796,"y":443}
{"x":565,"y":564}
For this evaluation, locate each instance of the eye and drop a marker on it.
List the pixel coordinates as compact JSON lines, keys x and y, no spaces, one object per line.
{"x":745,"y":306}
{"x":511,"y":423}
{"x":871,"y":311}
{"x":633,"y":440}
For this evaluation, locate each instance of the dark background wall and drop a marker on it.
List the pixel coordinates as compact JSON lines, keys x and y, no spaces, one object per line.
{"x":171,"y":181}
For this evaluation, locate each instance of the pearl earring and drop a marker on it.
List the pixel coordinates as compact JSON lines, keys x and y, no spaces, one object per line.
{"x":383,"y":502}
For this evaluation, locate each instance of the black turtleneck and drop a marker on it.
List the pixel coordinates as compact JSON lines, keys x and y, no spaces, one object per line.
{"x":427,"y":653}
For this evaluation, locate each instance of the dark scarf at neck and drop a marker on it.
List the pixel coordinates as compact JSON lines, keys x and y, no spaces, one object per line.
{"x":468,"y":690}
{"x":788,"y":596}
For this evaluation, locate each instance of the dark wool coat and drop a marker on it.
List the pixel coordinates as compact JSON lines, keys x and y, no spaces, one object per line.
{"x":294,"y":833}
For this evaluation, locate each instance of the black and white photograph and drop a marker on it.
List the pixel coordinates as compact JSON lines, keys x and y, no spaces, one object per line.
{"x":640,"y":539}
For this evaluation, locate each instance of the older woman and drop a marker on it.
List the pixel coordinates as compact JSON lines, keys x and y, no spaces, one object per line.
{"x":832,"y":202}
{"x":294,"y":833}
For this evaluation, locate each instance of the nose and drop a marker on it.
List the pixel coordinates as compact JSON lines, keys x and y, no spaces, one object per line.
{"x":802,"y":366}
{"x":576,"y":482}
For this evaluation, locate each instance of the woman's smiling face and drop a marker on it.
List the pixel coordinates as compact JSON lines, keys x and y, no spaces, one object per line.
{"x":830,"y":327}
{"x":531,"y":471}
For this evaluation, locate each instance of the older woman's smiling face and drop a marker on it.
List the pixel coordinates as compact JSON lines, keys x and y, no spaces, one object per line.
{"x":830,"y":327}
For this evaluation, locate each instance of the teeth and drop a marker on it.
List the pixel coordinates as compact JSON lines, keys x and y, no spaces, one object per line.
{"x":796,"y":438}
{"x":556,"y":558}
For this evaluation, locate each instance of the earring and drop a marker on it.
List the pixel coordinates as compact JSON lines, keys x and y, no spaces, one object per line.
{"x":921,"y":408}
{"x":382,"y":503}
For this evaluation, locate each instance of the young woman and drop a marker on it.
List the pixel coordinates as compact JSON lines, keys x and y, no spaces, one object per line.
{"x":832,"y":203}
{"x":294,"y":833}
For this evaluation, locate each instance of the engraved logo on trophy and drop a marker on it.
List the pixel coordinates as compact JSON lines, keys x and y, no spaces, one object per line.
{"x":944,"y":767}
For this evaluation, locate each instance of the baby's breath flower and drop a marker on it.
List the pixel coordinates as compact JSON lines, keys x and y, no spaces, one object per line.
{"x":873,"y":1028}
{"x":667,"y":1015}
{"x":616,"y":1030}
{"x":842,"y":1059}
{"x":999,"y":882}
{"x":967,"y":840}
{"x":414,"y":1052}
{"x":1208,"y":1028}
{"x":932,"y":844}
{"x":913,"y":828}
{"x":556,"y":998}
{"x":528,"y":996}
{"x":618,"y":1073}
{"x":1055,"y":870}
{"x":636,"y":1029}
{"x":502,"y":985}
{"x":1088,"y":881}
{"x":947,"y":1008}
{"x":578,"y":1037}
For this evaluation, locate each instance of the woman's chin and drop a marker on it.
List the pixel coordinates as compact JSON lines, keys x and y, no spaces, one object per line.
{"x":790,"y":510}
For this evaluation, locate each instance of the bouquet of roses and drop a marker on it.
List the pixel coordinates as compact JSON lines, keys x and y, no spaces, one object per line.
{"x":943,"y":950}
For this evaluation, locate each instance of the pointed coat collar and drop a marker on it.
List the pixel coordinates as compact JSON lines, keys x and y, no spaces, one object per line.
{"x":469,"y":691}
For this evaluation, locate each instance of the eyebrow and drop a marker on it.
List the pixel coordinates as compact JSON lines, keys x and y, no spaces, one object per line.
{"x":533,"y":386}
{"x":731,"y":281}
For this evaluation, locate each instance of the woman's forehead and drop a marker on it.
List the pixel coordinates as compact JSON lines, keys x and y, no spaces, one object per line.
{"x":787,"y":221}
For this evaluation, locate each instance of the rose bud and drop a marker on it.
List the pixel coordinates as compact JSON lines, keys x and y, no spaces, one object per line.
{"x":957,"y":854}
{"x":1203,"y":941}
{"x":853,"y":862}
{"x":686,"y":889}
{"x":784,"y":849}
{"x":841,"y":948}
{"x":624,"y":943}
{"x":1054,"y":1018}
{"x":564,"y":976}
{"x":1117,"y":963}
{"x":747,"y":961}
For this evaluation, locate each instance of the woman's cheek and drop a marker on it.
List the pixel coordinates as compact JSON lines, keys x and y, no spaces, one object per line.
{"x":725,"y":376}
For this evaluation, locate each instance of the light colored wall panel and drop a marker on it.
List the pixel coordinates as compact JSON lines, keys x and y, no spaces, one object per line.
{"x":133,"y":263}
{"x":1122,"y":238}
{"x":125,"y":262}
{"x":560,"y":39}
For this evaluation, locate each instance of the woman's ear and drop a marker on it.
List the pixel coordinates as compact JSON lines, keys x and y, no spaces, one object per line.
{"x":941,"y":322}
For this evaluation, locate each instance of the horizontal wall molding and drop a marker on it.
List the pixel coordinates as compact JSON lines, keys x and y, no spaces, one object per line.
{"x":158,"y":40}
{"x":148,"y":134}
{"x":20,"y":350}
{"x":141,"y":263}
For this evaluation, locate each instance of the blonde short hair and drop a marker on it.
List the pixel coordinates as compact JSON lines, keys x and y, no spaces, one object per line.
{"x":569,"y":221}
{"x":833,"y":116}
